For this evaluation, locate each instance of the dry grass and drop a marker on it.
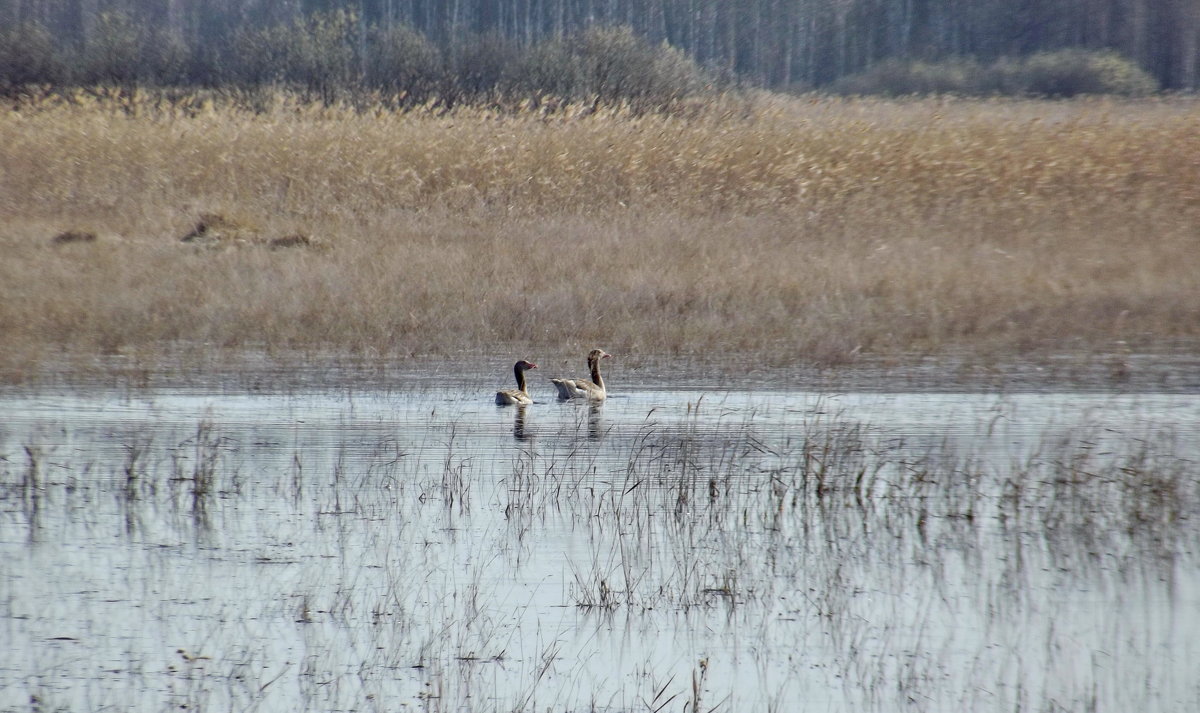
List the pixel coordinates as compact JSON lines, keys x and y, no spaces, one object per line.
{"x":805,"y":230}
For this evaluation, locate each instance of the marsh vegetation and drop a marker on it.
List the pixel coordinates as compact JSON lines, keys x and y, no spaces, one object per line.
{"x":903,"y":413}
{"x":667,"y":550}
{"x":798,"y":231}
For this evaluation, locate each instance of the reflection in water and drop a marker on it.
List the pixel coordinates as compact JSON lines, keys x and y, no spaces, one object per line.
{"x":31,"y":492}
{"x":519,"y":424}
{"x":850,"y":552}
{"x":594,"y":423}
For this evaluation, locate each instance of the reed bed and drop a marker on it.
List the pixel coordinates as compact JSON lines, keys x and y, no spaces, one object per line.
{"x":801,"y":230}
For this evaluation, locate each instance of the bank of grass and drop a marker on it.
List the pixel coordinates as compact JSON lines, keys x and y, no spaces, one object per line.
{"x":803,"y":230}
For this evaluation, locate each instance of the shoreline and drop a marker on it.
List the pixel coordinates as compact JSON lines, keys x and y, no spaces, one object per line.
{"x":1166,"y":371}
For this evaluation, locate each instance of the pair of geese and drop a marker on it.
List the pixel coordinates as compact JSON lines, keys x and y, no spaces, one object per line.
{"x":592,"y":390}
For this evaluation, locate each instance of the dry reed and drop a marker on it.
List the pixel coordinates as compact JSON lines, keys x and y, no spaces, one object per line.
{"x":803,"y":230}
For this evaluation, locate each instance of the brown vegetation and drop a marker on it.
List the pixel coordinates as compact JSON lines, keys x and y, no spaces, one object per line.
{"x":805,"y":230}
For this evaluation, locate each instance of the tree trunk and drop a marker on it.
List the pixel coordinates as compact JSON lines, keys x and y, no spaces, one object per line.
{"x":1189,"y":43}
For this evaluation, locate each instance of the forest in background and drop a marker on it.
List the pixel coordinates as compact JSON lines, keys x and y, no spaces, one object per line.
{"x":779,"y":44}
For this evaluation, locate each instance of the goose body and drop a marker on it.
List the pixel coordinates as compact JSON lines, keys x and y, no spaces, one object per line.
{"x":593,"y":389}
{"x":520,"y":395}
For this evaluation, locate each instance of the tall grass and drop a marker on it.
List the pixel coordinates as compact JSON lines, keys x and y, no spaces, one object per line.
{"x":801,"y":230}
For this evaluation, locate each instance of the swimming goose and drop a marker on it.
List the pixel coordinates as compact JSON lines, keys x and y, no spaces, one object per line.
{"x":582,"y":388}
{"x":520,"y":395}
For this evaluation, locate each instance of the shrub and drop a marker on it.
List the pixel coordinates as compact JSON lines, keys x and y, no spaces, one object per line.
{"x":1067,"y":73}
{"x":674,"y":75}
{"x":166,"y":60}
{"x":1063,"y":73}
{"x":28,"y":56}
{"x":324,"y":57}
{"x":316,"y":53}
{"x":260,"y":56}
{"x":479,"y":63}
{"x":547,"y":68}
{"x":118,"y":50}
{"x":617,"y":65}
{"x":112,"y":53}
{"x":403,"y":61}
{"x":326,"y":54}
{"x":895,"y":77}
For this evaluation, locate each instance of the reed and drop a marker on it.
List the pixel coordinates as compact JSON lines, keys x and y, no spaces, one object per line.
{"x":766,"y":536}
{"x":803,"y":230}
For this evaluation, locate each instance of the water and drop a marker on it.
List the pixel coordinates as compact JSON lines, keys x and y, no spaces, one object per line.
{"x":419,"y":548}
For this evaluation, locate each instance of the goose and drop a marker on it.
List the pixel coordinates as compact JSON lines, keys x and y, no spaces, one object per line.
{"x":582,"y":388}
{"x":520,"y":395}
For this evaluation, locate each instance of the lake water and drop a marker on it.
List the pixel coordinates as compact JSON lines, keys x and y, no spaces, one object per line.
{"x":419,"y":548}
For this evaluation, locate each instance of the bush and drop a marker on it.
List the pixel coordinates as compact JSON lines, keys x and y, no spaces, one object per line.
{"x":112,"y":53}
{"x":316,"y":53}
{"x":1063,"y":73}
{"x":895,"y":77}
{"x":260,"y":56}
{"x":324,"y":57}
{"x":548,"y":68}
{"x":479,"y":63}
{"x":403,"y":61}
{"x":617,"y":65}
{"x":120,"y":51}
{"x":674,"y":75}
{"x":28,"y":56}
{"x":1070,"y":72}
{"x":166,"y":59}
{"x":610,"y":65}
{"x":326,"y":54}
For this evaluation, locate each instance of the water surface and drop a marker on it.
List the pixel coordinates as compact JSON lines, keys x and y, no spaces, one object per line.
{"x":418,"y":547}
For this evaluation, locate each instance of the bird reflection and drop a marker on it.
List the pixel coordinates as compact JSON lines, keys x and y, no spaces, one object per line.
{"x":595,"y":425}
{"x":519,"y":432}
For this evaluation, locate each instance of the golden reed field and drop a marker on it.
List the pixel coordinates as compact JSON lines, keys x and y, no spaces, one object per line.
{"x":794,"y":230}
